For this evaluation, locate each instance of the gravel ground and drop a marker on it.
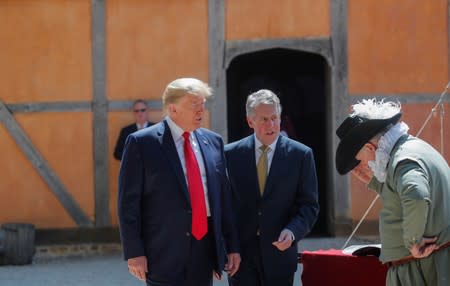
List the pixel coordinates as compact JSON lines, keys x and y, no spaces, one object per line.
{"x":111,"y":270}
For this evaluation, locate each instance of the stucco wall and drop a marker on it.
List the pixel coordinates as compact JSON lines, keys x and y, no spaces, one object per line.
{"x":267,"y":19}
{"x":46,"y":57}
{"x":398,"y":48}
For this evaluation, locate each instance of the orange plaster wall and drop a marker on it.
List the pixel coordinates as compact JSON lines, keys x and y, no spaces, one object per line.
{"x":414,"y":115}
{"x":65,"y":141}
{"x":150,"y":43}
{"x":267,"y":19}
{"x":45,"y":50}
{"x":24,"y":197}
{"x":397,"y":46}
{"x":361,"y":198}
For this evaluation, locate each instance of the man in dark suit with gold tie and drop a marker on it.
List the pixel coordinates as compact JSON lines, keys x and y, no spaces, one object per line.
{"x":174,"y":196}
{"x":274,"y":187}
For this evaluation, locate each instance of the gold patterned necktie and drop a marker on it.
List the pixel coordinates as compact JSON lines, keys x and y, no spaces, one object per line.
{"x":262,"y":168}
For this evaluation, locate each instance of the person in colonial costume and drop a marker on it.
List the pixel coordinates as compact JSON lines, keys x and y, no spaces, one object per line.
{"x":413,"y":180}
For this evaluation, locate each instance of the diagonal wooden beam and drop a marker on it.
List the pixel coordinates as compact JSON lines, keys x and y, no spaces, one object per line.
{"x":42,"y":167}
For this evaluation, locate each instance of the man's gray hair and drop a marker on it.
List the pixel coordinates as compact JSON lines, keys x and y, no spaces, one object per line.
{"x":263,"y":96}
{"x":183,"y":86}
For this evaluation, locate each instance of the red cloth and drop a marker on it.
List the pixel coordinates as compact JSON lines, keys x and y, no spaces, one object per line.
{"x":332,"y":267}
{"x":196,"y":193}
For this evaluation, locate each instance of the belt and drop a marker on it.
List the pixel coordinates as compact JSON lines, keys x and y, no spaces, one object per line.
{"x":410,"y":258}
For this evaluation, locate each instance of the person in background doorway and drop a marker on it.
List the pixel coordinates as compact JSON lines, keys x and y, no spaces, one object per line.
{"x":140,"y":112}
{"x":287,"y":127}
{"x":275,"y":196}
{"x":413,"y":181}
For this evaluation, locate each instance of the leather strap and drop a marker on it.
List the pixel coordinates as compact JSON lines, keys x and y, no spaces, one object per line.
{"x":410,"y":258}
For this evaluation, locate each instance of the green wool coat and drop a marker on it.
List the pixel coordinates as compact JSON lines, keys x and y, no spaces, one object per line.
{"x":416,"y":203}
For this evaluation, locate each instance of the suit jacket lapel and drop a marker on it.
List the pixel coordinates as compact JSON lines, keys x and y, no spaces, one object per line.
{"x":205,"y":150}
{"x":277,"y":167}
{"x":168,"y":145}
{"x":249,"y":165}
{"x":203,"y":144}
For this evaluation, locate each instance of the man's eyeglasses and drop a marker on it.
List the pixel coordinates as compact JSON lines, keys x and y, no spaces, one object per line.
{"x":140,"y":110}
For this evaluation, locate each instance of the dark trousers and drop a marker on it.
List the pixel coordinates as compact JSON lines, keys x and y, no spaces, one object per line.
{"x":198,"y":270}
{"x":251,"y":271}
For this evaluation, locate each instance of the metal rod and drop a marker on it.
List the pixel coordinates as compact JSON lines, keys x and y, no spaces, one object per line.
{"x":441,"y":98}
{"x":361,"y":220}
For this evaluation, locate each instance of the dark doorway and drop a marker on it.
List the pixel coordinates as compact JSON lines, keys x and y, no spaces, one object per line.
{"x":300,"y":80}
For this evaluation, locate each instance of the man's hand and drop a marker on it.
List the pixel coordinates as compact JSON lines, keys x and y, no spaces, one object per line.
{"x":232,"y":266}
{"x":137,"y":266}
{"x":425,"y":248}
{"x":284,"y":240}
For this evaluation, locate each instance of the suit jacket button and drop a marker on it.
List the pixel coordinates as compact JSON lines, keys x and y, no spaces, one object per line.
{"x":259,"y":213}
{"x":188,"y":234}
{"x":189,"y":211}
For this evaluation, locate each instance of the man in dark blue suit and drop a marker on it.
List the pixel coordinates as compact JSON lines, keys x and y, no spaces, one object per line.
{"x":274,"y":187}
{"x":140,"y":113}
{"x":174,"y":196}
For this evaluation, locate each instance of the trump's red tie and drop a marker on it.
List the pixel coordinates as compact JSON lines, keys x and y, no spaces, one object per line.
{"x":196,"y":193}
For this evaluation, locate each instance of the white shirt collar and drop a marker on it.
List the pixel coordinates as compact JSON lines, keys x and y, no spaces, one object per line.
{"x":140,"y":126}
{"x":259,"y":144}
{"x":176,"y":130}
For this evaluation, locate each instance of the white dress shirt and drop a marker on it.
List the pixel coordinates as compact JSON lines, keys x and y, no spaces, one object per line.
{"x":270,"y":153}
{"x":141,"y":126}
{"x":177,"y":135}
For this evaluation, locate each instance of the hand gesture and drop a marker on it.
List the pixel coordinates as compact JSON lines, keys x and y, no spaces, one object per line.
{"x":232,"y":266}
{"x":284,"y":240}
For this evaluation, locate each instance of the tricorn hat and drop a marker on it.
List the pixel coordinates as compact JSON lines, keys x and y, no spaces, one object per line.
{"x":354,"y":132}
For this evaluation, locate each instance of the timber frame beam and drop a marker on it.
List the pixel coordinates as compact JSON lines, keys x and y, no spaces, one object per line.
{"x":43,"y":168}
